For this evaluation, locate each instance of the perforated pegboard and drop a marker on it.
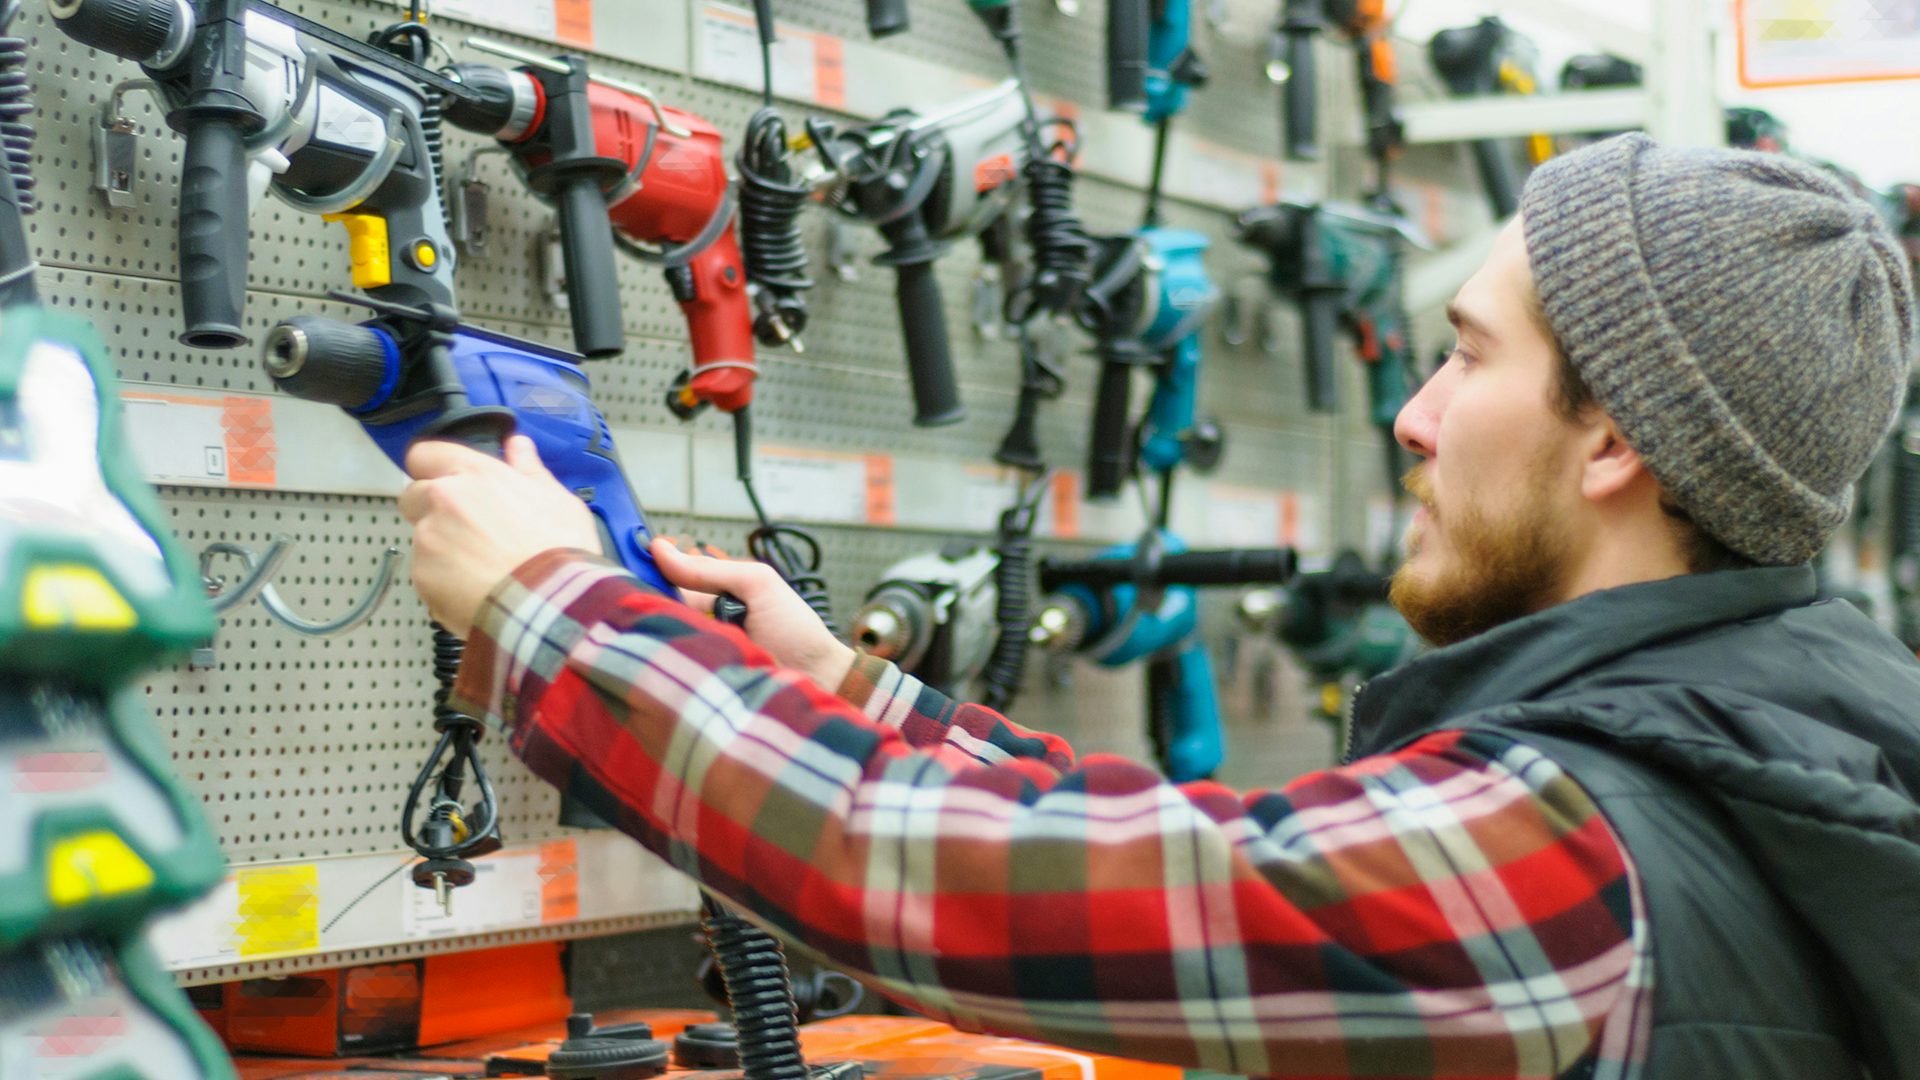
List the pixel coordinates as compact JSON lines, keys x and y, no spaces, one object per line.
{"x":302,"y":748}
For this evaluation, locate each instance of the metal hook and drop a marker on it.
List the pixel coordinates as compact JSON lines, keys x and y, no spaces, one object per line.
{"x":261,"y":570}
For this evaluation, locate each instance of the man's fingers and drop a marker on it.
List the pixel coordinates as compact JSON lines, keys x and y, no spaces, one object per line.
{"x":524,"y":456}
{"x":413,"y":501}
{"x":432,"y":458}
{"x":702,"y":574}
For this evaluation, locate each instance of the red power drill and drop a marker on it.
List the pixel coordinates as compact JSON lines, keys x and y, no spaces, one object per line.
{"x":664,"y":190}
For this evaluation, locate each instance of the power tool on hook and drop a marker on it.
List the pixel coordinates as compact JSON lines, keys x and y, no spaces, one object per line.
{"x":1136,"y":601}
{"x":924,"y":179}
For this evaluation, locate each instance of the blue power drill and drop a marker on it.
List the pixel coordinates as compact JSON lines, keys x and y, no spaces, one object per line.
{"x":1138,"y":600}
{"x":361,"y":369}
{"x":1149,"y":296}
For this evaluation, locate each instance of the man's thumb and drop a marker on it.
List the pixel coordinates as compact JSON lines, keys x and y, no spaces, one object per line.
{"x":702,"y":573}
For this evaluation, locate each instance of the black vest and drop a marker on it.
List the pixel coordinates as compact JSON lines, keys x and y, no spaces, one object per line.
{"x":1758,"y":754}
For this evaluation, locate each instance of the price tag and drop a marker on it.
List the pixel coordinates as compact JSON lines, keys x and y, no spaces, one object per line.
{"x":807,"y":66}
{"x":279,"y":910}
{"x":819,"y":485}
{"x":179,"y":438}
{"x":559,"y":881}
{"x":1066,"y":505}
{"x":570,"y":21}
{"x":507,"y":892}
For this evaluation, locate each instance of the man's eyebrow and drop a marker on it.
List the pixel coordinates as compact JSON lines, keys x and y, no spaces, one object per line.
{"x":1465,"y":323}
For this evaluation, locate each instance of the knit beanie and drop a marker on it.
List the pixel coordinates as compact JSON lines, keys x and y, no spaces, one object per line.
{"x":1744,"y":319}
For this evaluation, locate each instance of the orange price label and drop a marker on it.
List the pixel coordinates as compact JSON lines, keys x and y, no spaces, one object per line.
{"x":573,"y":21}
{"x":1066,"y":505}
{"x":830,"y":71}
{"x":559,"y":881}
{"x":880,"y":507}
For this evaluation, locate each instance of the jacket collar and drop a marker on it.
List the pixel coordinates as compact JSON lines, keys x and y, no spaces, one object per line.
{"x":1524,"y":659}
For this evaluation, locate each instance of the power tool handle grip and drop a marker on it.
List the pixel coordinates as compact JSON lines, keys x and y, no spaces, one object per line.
{"x":483,"y":429}
{"x":1320,"y":320}
{"x":1222,"y":566}
{"x":923,"y":319}
{"x":1108,"y":460}
{"x":886,"y":17}
{"x":1127,"y":25}
{"x":1299,"y":100}
{"x":1495,"y":161}
{"x":593,"y":281}
{"x":213,"y":233}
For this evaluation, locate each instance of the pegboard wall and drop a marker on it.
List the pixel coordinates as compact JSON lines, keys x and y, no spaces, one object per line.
{"x":302,"y":748}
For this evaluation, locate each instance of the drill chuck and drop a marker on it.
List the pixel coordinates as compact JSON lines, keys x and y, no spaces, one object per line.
{"x":151,"y":32}
{"x":894,"y":625}
{"x":1061,"y":624}
{"x":319,"y":359}
{"x":509,"y":106}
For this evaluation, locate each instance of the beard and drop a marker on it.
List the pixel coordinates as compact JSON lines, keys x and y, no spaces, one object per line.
{"x":1497,"y":569}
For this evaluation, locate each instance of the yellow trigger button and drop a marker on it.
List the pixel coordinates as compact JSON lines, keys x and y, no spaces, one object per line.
{"x":366,"y":248}
{"x":73,"y":597}
{"x":424,"y":255}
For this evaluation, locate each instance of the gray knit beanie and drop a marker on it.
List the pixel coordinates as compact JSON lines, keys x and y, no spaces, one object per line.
{"x":1745,"y":320}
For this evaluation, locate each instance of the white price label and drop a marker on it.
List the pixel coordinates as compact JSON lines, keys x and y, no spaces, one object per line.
{"x":506,"y":893}
{"x":807,"y":66}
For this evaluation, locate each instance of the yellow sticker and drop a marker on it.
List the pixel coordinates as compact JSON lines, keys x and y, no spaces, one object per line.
{"x":73,"y":595}
{"x":92,"y":866}
{"x":279,"y":910}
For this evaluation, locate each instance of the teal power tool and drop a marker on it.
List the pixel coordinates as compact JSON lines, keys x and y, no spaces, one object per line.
{"x":98,"y":834}
{"x":1337,"y":623}
{"x":1149,"y":296}
{"x":88,"y":1008}
{"x":1138,"y":601}
{"x":1343,"y":267}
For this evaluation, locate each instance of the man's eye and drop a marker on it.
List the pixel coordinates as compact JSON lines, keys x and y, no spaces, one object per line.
{"x":1460,"y":354}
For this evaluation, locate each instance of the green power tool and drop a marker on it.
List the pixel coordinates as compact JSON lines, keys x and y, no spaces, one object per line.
{"x":88,"y":1009}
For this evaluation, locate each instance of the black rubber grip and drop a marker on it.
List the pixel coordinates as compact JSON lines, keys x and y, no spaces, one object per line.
{"x":131,"y":29}
{"x":1319,"y":321}
{"x":315,"y":358}
{"x":887,"y":17}
{"x":213,"y":234}
{"x":1224,"y":566}
{"x":923,"y":319}
{"x":1495,"y":160}
{"x":1127,"y":54}
{"x":1109,"y":456}
{"x":1298,"y":99}
{"x":593,"y":282}
{"x":479,"y":428}
{"x":16,"y":254}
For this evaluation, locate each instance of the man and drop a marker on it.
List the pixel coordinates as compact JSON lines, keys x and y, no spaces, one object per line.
{"x":1648,"y":812}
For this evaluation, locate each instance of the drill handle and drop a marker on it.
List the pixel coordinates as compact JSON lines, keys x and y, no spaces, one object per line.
{"x":886,"y":17}
{"x":593,"y":281}
{"x":1183,"y":711}
{"x":1494,"y":159}
{"x":1127,"y":23}
{"x":1109,"y":450}
{"x":1319,"y":323}
{"x":712,"y":291}
{"x":1170,"y":414}
{"x":923,"y":319}
{"x":1299,"y":95}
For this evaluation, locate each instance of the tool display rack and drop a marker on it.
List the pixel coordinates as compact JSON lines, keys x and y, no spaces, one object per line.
{"x":302,"y":748}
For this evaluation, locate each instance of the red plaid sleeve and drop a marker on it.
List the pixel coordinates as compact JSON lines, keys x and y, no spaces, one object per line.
{"x":1458,"y":908}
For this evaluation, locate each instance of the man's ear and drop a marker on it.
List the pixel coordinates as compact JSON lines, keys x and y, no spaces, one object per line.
{"x":1609,"y":465}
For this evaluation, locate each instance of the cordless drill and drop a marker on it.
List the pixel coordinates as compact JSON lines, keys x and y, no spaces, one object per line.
{"x":1137,"y":601}
{"x":269,"y":100}
{"x":1149,"y":296}
{"x":1342,"y":266}
{"x":924,"y":179}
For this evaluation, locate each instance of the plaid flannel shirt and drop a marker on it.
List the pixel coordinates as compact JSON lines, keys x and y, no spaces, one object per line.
{"x":1457,"y":908}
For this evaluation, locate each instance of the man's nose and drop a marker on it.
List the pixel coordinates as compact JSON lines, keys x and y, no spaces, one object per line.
{"x":1417,"y":427}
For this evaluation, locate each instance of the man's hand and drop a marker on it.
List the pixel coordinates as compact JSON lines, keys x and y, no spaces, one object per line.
{"x":777,"y":619}
{"x":475,"y":518}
